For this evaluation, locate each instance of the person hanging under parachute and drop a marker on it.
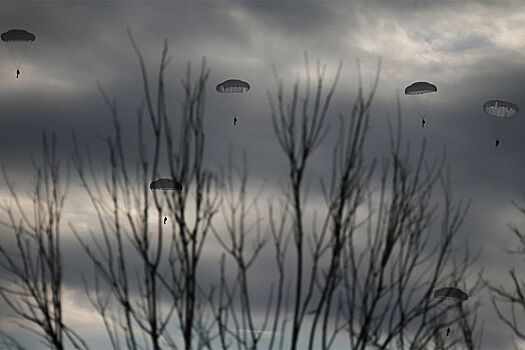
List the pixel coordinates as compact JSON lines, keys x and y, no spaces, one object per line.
{"x":451,"y":296}
{"x":165,"y":185}
{"x":501,"y":111}
{"x":420,"y":88}
{"x":18,"y":42}
{"x":232,"y":86}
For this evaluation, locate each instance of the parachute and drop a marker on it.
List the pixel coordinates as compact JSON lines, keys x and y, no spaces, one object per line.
{"x":420,"y":88}
{"x":232,"y":86}
{"x":17,"y":35}
{"x":165,"y":185}
{"x":18,"y":42}
{"x":500,"y":111}
{"x":451,"y":293}
{"x":452,"y":302}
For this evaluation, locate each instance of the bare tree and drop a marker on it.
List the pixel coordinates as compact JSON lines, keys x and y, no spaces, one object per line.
{"x":34,"y":265}
{"x":131,"y":215}
{"x":362,"y":267}
{"x":509,"y":302}
{"x":381,"y":294}
{"x":242,"y":239}
{"x":300,"y":129}
{"x":371,"y":276}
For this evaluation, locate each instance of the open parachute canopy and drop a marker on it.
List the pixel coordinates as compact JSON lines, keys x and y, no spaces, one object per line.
{"x":420,"y":87}
{"x":233,"y":86}
{"x":451,"y":293}
{"x":165,"y":184}
{"x":17,"y":35}
{"x":500,"y":109}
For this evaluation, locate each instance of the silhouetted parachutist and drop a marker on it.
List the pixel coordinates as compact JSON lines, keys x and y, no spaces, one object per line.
{"x":235,"y":121}
{"x":165,"y":219}
{"x":17,"y":73}
{"x":423,"y":123}
{"x":448,"y":331}
{"x":497,"y":143}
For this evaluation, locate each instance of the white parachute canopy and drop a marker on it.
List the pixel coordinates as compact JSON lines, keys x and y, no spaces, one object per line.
{"x":500,"y":109}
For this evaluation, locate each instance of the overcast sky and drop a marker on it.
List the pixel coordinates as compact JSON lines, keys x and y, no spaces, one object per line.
{"x":473,"y":52}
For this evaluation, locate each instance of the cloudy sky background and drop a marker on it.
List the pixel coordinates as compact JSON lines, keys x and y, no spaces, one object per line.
{"x":473,"y":52}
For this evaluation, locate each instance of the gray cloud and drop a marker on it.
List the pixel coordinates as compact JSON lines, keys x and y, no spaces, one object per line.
{"x":473,"y":51}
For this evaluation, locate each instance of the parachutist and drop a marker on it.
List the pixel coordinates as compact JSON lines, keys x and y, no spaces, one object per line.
{"x":448,"y":331}
{"x":423,"y":123}
{"x":17,"y":41}
{"x":232,"y":86}
{"x":497,"y":143}
{"x":165,"y":219}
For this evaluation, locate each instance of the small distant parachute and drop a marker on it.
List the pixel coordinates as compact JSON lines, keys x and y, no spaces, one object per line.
{"x":232,"y":86}
{"x":18,"y":42}
{"x":17,"y":35}
{"x":500,"y":109}
{"x":452,"y":302}
{"x":451,"y":293}
{"x":419,"y":88}
{"x":165,"y":185}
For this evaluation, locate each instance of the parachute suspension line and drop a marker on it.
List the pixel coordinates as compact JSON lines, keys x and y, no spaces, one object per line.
{"x":418,"y":110}
{"x":230,"y":106}
{"x":23,"y":55}
{"x":18,"y":61}
{"x":417,"y":107}
{"x":12,"y":56}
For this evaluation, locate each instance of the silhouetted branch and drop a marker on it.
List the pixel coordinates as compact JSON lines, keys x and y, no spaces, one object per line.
{"x":34,"y":265}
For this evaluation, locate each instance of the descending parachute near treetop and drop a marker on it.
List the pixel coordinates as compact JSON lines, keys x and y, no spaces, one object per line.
{"x":501,"y":111}
{"x":166,"y":185}
{"x":420,"y":88}
{"x":451,"y":293}
{"x":18,"y":42}
{"x":232,"y":86}
{"x":452,"y":300}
